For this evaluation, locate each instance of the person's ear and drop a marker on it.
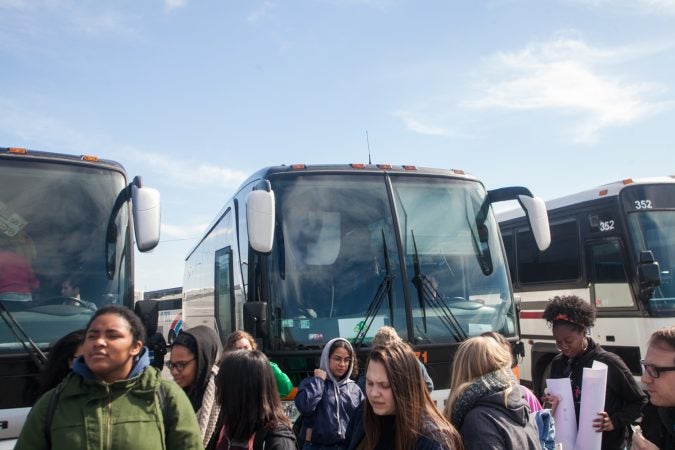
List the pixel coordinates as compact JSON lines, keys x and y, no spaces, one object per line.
{"x":136,"y":348}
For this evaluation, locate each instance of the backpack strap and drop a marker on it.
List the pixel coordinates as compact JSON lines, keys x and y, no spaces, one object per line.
{"x":160,"y":394}
{"x":259,"y":439}
{"x":51,"y":410}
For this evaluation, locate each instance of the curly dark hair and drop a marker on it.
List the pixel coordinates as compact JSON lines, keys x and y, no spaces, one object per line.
{"x":571,"y":310}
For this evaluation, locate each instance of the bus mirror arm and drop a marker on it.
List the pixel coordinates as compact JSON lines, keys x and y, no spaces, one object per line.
{"x":649,"y":274}
{"x":255,"y":319}
{"x":535,"y":210}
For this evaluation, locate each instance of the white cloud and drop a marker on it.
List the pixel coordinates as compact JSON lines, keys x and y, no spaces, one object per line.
{"x":264,"y":11}
{"x":27,"y":126}
{"x":170,"y":5}
{"x":418,"y":125}
{"x":189,"y":173}
{"x":567,"y":75}
{"x":175,"y":232}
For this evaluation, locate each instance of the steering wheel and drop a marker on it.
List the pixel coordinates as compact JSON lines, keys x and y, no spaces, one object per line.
{"x":64,"y":300}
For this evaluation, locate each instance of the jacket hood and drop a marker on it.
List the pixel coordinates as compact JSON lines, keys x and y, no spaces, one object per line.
{"x":208,"y":348}
{"x":325,"y":363}
{"x":516,"y":407}
{"x":141,"y":362}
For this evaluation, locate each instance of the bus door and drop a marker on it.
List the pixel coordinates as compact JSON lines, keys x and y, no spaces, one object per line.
{"x":608,"y":282}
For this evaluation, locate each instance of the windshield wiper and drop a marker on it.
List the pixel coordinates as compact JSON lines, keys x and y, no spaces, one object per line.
{"x":427,"y":293}
{"x":22,"y":337}
{"x":384,"y":287}
{"x":479,"y":237}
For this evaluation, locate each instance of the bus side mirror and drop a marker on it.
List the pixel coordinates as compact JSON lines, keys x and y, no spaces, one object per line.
{"x":649,"y":273}
{"x":255,"y":319}
{"x":260,"y":218}
{"x":146,"y":214}
{"x":538,"y":217}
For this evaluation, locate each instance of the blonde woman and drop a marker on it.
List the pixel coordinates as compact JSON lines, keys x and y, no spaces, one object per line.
{"x":485,"y":404}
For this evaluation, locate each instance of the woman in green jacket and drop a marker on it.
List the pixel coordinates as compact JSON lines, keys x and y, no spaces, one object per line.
{"x":241,"y":340}
{"x":113,"y":399}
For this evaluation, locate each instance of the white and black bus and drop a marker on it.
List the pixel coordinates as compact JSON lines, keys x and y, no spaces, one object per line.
{"x":613,"y":246}
{"x":302,"y":254}
{"x":62,"y":217}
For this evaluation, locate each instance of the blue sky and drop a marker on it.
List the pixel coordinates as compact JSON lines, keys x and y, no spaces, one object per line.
{"x":194,"y":95}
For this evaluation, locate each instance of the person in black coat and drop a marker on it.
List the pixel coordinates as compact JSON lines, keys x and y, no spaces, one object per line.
{"x":658,"y":416}
{"x":486,"y":403}
{"x":251,"y":412}
{"x":570,"y":317}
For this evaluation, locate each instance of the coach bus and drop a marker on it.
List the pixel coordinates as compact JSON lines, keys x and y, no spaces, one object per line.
{"x":170,"y":311}
{"x":613,"y":246}
{"x":61,"y":217}
{"x":302,"y":254}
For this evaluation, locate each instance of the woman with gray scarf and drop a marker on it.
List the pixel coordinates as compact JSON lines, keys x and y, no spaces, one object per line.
{"x":485,"y":403}
{"x":328,"y":399}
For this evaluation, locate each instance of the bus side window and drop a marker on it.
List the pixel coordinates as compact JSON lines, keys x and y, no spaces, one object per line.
{"x":610,"y":288}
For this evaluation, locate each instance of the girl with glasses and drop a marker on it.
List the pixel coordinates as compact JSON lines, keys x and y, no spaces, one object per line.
{"x":328,"y":399}
{"x":194,"y":354}
{"x":570,"y":318}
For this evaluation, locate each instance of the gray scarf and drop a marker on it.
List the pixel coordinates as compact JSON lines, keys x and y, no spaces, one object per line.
{"x":492,"y":382}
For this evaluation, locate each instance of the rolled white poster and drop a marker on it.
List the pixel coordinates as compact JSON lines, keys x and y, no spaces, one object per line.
{"x":593,"y":388}
{"x":565,"y":417}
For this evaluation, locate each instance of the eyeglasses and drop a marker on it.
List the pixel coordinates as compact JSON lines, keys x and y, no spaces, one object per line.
{"x":178,"y":365}
{"x":338,"y":360}
{"x":655,"y":371}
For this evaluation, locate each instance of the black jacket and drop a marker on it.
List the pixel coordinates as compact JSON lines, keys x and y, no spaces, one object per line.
{"x":623,"y":399}
{"x":491,"y":424}
{"x":356,"y":433}
{"x":281,"y":438}
{"x":658,"y":425}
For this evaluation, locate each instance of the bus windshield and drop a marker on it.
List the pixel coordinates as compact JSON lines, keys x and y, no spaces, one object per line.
{"x":64,"y":247}
{"x":653,"y":230}
{"x":338,"y":241}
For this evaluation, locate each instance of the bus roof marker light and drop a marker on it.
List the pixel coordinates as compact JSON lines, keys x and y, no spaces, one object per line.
{"x":408,"y":167}
{"x":459,"y":171}
{"x":358,"y":165}
{"x":627,"y":181}
{"x":298,"y":166}
{"x":384,"y":166}
{"x":603,"y":192}
{"x":90,"y":158}
{"x":17,"y":150}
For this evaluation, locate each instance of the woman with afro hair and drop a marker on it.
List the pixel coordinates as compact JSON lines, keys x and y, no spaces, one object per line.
{"x":570,"y":318}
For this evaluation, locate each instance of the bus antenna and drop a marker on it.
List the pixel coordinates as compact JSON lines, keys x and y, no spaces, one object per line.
{"x":368,"y":143}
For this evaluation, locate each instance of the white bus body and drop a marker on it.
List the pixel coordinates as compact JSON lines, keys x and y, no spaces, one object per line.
{"x":601,"y":241}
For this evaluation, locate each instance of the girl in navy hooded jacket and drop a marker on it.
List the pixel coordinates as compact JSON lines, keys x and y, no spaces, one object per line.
{"x":328,"y":399}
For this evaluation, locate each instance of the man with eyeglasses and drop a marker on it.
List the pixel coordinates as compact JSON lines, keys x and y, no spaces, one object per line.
{"x":658,"y":421}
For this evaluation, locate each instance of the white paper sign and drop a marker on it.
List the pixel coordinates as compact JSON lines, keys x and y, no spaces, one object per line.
{"x":593,"y":388}
{"x":565,"y":417}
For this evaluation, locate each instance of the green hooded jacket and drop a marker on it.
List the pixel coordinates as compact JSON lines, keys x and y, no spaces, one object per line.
{"x":124,"y":415}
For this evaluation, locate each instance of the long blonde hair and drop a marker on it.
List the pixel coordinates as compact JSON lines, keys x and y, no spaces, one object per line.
{"x":415,"y":410}
{"x":476,"y":357}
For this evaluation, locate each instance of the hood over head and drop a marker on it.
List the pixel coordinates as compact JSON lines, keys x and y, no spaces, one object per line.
{"x":205,"y":344}
{"x":325,"y":363}
{"x":516,"y":406}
